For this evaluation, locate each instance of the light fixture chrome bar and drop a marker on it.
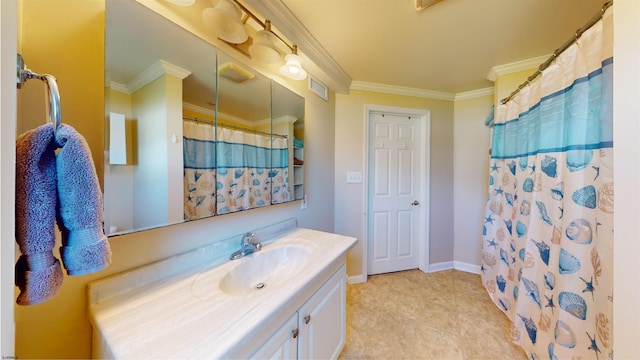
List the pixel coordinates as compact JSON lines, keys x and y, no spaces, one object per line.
{"x":559,"y":51}
{"x":266,"y":24}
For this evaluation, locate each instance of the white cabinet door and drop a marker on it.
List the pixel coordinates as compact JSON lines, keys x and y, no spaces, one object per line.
{"x":322,"y":320}
{"x":283,"y":344}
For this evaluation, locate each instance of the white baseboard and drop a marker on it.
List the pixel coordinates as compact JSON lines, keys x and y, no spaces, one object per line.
{"x":470,"y":268}
{"x":457,"y":265}
{"x":356,"y":279}
{"x":447,"y":265}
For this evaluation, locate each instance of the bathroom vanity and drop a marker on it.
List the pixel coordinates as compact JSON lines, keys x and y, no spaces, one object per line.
{"x":285,"y":301}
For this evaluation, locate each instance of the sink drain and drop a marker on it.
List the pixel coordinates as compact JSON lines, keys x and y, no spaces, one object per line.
{"x":260,"y":285}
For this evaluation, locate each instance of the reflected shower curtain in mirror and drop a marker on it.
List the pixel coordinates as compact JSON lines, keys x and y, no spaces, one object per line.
{"x":243,"y":170}
{"x":199,"y":155}
{"x":548,"y":228}
{"x":279,"y":172}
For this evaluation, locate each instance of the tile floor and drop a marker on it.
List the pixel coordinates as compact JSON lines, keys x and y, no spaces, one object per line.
{"x":413,"y":315}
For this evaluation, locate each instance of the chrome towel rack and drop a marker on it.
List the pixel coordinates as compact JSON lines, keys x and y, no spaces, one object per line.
{"x":53,"y":104}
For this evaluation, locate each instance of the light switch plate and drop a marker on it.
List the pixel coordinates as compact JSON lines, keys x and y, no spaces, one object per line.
{"x":354,"y":177}
{"x":303,"y":203}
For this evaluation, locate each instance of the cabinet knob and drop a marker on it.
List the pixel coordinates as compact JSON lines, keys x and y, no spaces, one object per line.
{"x":307,"y":319}
{"x":295,"y":333}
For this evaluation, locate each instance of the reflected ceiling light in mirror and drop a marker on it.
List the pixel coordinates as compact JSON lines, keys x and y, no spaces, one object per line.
{"x":225,"y":18}
{"x":293,"y":68}
{"x":263,"y":47}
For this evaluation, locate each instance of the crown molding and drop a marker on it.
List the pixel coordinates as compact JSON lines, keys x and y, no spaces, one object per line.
{"x":151,"y":73}
{"x":224,"y":116}
{"x":119,"y":87}
{"x":291,"y":27}
{"x":401,"y":90}
{"x":513,"y":67}
{"x":284,"y":119}
{"x":474,"y":94}
{"x":198,"y":109}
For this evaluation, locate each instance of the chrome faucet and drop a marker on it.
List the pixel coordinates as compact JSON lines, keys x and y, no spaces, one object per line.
{"x":249,"y":245}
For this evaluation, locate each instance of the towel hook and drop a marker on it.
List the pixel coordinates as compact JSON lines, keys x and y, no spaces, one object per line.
{"x":53,"y":104}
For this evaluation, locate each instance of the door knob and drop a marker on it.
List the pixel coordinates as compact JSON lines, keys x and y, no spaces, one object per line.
{"x":415,"y":203}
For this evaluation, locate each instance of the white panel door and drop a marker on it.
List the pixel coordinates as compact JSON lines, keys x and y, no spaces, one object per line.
{"x":394,"y":193}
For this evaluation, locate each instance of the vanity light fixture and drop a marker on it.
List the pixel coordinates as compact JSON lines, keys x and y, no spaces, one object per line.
{"x":225,"y":18}
{"x":293,"y":68}
{"x":263,"y":48}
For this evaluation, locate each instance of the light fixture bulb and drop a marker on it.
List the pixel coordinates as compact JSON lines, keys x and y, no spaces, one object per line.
{"x":225,"y":19}
{"x":293,"y":68}
{"x":263,"y":48}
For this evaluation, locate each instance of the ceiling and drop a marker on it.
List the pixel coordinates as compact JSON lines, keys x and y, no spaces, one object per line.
{"x":448,"y":47}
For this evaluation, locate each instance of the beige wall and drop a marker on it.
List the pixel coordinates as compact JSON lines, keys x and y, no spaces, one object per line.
{"x":470,"y":176}
{"x":65,"y":38}
{"x":350,"y":156}
{"x":507,"y":83}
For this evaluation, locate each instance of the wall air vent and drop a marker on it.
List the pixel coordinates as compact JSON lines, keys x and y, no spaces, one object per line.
{"x":423,"y":4}
{"x":318,"y":88}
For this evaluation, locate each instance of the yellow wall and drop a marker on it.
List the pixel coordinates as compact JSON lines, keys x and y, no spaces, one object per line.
{"x":507,"y":83}
{"x":350,"y":156}
{"x":63,"y":38}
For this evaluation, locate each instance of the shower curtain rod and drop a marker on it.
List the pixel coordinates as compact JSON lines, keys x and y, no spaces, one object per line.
{"x":231,"y":126}
{"x":559,"y":51}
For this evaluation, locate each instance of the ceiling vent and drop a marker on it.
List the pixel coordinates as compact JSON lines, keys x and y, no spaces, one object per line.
{"x":235,"y":72}
{"x":423,"y":4}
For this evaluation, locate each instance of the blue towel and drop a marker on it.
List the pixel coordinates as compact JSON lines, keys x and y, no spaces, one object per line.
{"x":85,"y":248}
{"x":38,"y":273}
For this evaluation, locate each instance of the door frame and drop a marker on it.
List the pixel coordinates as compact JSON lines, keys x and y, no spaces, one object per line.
{"x":8,"y":114}
{"x":425,"y":176}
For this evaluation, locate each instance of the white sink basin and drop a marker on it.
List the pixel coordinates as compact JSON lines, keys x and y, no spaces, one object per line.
{"x":264,"y":270}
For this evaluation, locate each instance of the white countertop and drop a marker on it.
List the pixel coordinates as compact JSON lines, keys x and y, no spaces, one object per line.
{"x":189,"y":317}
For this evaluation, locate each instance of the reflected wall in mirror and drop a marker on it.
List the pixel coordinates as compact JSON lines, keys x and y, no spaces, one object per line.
{"x":152,"y":67}
{"x":243,"y":137}
{"x":288,"y":132}
{"x":189,"y":129}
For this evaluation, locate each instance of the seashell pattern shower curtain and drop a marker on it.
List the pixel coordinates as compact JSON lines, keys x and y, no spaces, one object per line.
{"x":243,"y":163}
{"x":548,"y":228}
{"x":199,"y":157}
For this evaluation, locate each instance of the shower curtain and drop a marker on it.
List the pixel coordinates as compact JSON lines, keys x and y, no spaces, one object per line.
{"x":243,"y":165}
{"x":199,"y":155}
{"x":279,"y":173}
{"x":548,"y":227}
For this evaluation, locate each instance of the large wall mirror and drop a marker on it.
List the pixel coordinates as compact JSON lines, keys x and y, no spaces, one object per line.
{"x":190,"y":131}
